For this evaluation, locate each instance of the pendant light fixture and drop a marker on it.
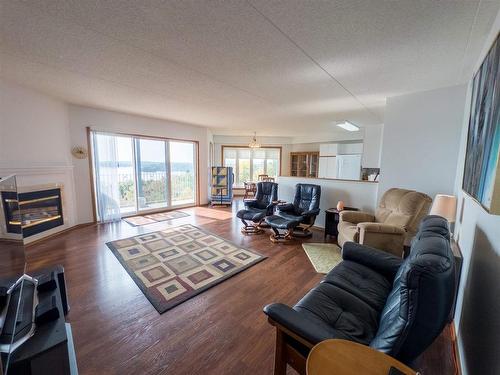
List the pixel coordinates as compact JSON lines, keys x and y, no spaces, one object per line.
{"x":254,"y":143}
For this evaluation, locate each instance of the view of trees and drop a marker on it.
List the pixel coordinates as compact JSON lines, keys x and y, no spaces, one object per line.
{"x":153,"y":188}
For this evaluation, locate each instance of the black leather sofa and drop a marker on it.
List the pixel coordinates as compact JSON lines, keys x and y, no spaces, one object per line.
{"x":374,"y":298}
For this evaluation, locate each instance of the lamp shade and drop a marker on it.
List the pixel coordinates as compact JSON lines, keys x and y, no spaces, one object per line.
{"x":445,"y":206}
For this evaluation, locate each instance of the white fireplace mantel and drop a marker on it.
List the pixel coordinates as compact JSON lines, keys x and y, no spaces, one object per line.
{"x":33,"y":178}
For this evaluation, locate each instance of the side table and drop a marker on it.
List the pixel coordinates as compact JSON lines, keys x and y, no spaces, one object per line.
{"x":332,"y":220}
{"x":342,"y":357}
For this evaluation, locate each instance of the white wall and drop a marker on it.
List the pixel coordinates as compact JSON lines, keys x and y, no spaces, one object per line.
{"x":34,"y":144}
{"x":33,"y":128}
{"x":477,"y":319}
{"x":98,"y":119}
{"x":372,"y":146}
{"x":421,"y":140}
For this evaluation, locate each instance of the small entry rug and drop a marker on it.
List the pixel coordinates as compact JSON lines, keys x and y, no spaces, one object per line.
{"x":153,"y":218}
{"x":175,"y":264}
{"x":323,"y":256}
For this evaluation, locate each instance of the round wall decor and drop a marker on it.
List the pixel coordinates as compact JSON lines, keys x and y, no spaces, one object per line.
{"x":79,"y":152}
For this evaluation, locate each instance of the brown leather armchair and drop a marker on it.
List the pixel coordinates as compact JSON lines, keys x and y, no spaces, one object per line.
{"x":392,"y":227}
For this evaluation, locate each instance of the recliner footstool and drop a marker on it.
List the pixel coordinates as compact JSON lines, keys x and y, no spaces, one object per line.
{"x":257,"y":209}
{"x":304,"y":209}
{"x":278,"y":223}
{"x":253,"y":215}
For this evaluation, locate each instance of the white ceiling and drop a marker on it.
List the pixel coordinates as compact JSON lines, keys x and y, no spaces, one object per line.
{"x":277,"y":67}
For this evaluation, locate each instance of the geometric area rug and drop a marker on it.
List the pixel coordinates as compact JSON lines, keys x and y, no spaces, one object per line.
{"x":175,"y":264}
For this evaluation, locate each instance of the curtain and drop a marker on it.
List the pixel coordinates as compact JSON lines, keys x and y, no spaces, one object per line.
{"x":106,"y":176}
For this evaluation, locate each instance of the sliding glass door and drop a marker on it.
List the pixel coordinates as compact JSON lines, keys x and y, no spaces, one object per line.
{"x":151,"y":166}
{"x":135,"y":174}
{"x":182,"y":172}
{"x":125,"y":173}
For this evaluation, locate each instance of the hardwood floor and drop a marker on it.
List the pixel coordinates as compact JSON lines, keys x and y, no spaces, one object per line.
{"x":221,"y":331}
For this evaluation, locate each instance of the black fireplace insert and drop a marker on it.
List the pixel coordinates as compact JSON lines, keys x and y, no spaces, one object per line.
{"x":33,"y":212}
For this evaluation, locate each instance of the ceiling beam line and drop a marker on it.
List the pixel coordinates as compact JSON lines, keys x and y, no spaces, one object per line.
{"x":467,"y":44}
{"x":313,"y":60}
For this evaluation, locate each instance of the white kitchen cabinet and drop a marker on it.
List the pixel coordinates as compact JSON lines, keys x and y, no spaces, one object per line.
{"x":327,"y":167}
{"x":328,"y":149}
{"x":350,"y":148}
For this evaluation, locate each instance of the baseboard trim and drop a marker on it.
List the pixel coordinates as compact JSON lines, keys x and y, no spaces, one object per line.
{"x":456,"y":352}
{"x":77,"y":226}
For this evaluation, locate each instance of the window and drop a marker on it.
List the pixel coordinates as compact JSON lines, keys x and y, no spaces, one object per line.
{"x":249,"y":163}
{"x":137,"y":174}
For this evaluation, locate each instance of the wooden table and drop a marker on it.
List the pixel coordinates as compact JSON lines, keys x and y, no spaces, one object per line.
{"x":342,"y":357}
{"x":332,"y":216}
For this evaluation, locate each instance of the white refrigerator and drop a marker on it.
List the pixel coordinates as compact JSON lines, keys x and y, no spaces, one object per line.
{"x":348,"y":167}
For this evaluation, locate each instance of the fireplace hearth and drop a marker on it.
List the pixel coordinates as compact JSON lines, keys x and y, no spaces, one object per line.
{"x":32,"y":212}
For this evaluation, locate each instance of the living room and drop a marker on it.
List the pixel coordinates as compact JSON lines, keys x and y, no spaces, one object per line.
{"x":198,"y":162}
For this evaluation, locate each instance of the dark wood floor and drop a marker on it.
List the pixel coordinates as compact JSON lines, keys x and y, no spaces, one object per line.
{"x":221,"y":331}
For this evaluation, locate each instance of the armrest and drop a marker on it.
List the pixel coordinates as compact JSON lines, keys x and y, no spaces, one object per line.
{"x":289,"y":207}
{"x":380,"y":228}
{"x":313,"y":212}
{"x":271,"y":205}
{"x":355,"y":217}
{"x":378,"y":260}
{"x":297,"y":323}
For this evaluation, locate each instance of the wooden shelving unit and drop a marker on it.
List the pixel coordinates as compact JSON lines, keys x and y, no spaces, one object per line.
{"x":304,"y":164}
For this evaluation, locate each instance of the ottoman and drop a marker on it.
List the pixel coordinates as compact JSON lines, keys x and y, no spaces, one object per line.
{"x":255,"y":216}
{"x":278,"y":223}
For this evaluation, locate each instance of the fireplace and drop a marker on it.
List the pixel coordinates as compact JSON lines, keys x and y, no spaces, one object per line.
{"x":32,"y":212}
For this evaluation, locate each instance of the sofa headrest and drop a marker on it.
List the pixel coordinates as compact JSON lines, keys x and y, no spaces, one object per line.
{"x":419,"y":304}
{"x":433,"y":225}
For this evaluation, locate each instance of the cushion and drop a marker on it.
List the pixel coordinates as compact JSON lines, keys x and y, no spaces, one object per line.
{"x":251,"y":214}
{"x":342,"y":314}
{"x":361,"y":281}
{"x":290,"y":216}
{"x":279,"y":222}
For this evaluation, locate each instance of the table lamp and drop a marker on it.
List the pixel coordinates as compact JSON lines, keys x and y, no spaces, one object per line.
{"x":445,"y":206}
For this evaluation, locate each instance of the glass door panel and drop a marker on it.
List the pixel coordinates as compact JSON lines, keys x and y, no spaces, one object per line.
{"x":151,"y":170}
{"x":313,"y":165}
{"x":182,"y":172}
{"x":302,"y":165}
{"x":126,"y":174}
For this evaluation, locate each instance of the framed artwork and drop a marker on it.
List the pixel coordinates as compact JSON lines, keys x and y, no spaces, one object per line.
{"x":482,"y":171}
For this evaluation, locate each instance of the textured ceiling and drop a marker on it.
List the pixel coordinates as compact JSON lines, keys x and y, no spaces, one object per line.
{"x":277,"y":67}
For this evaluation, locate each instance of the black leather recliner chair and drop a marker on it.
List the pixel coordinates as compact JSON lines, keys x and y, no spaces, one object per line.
{"x":374,"y":298}
{"x":258,"y":208}
{"x":300,"y":215}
